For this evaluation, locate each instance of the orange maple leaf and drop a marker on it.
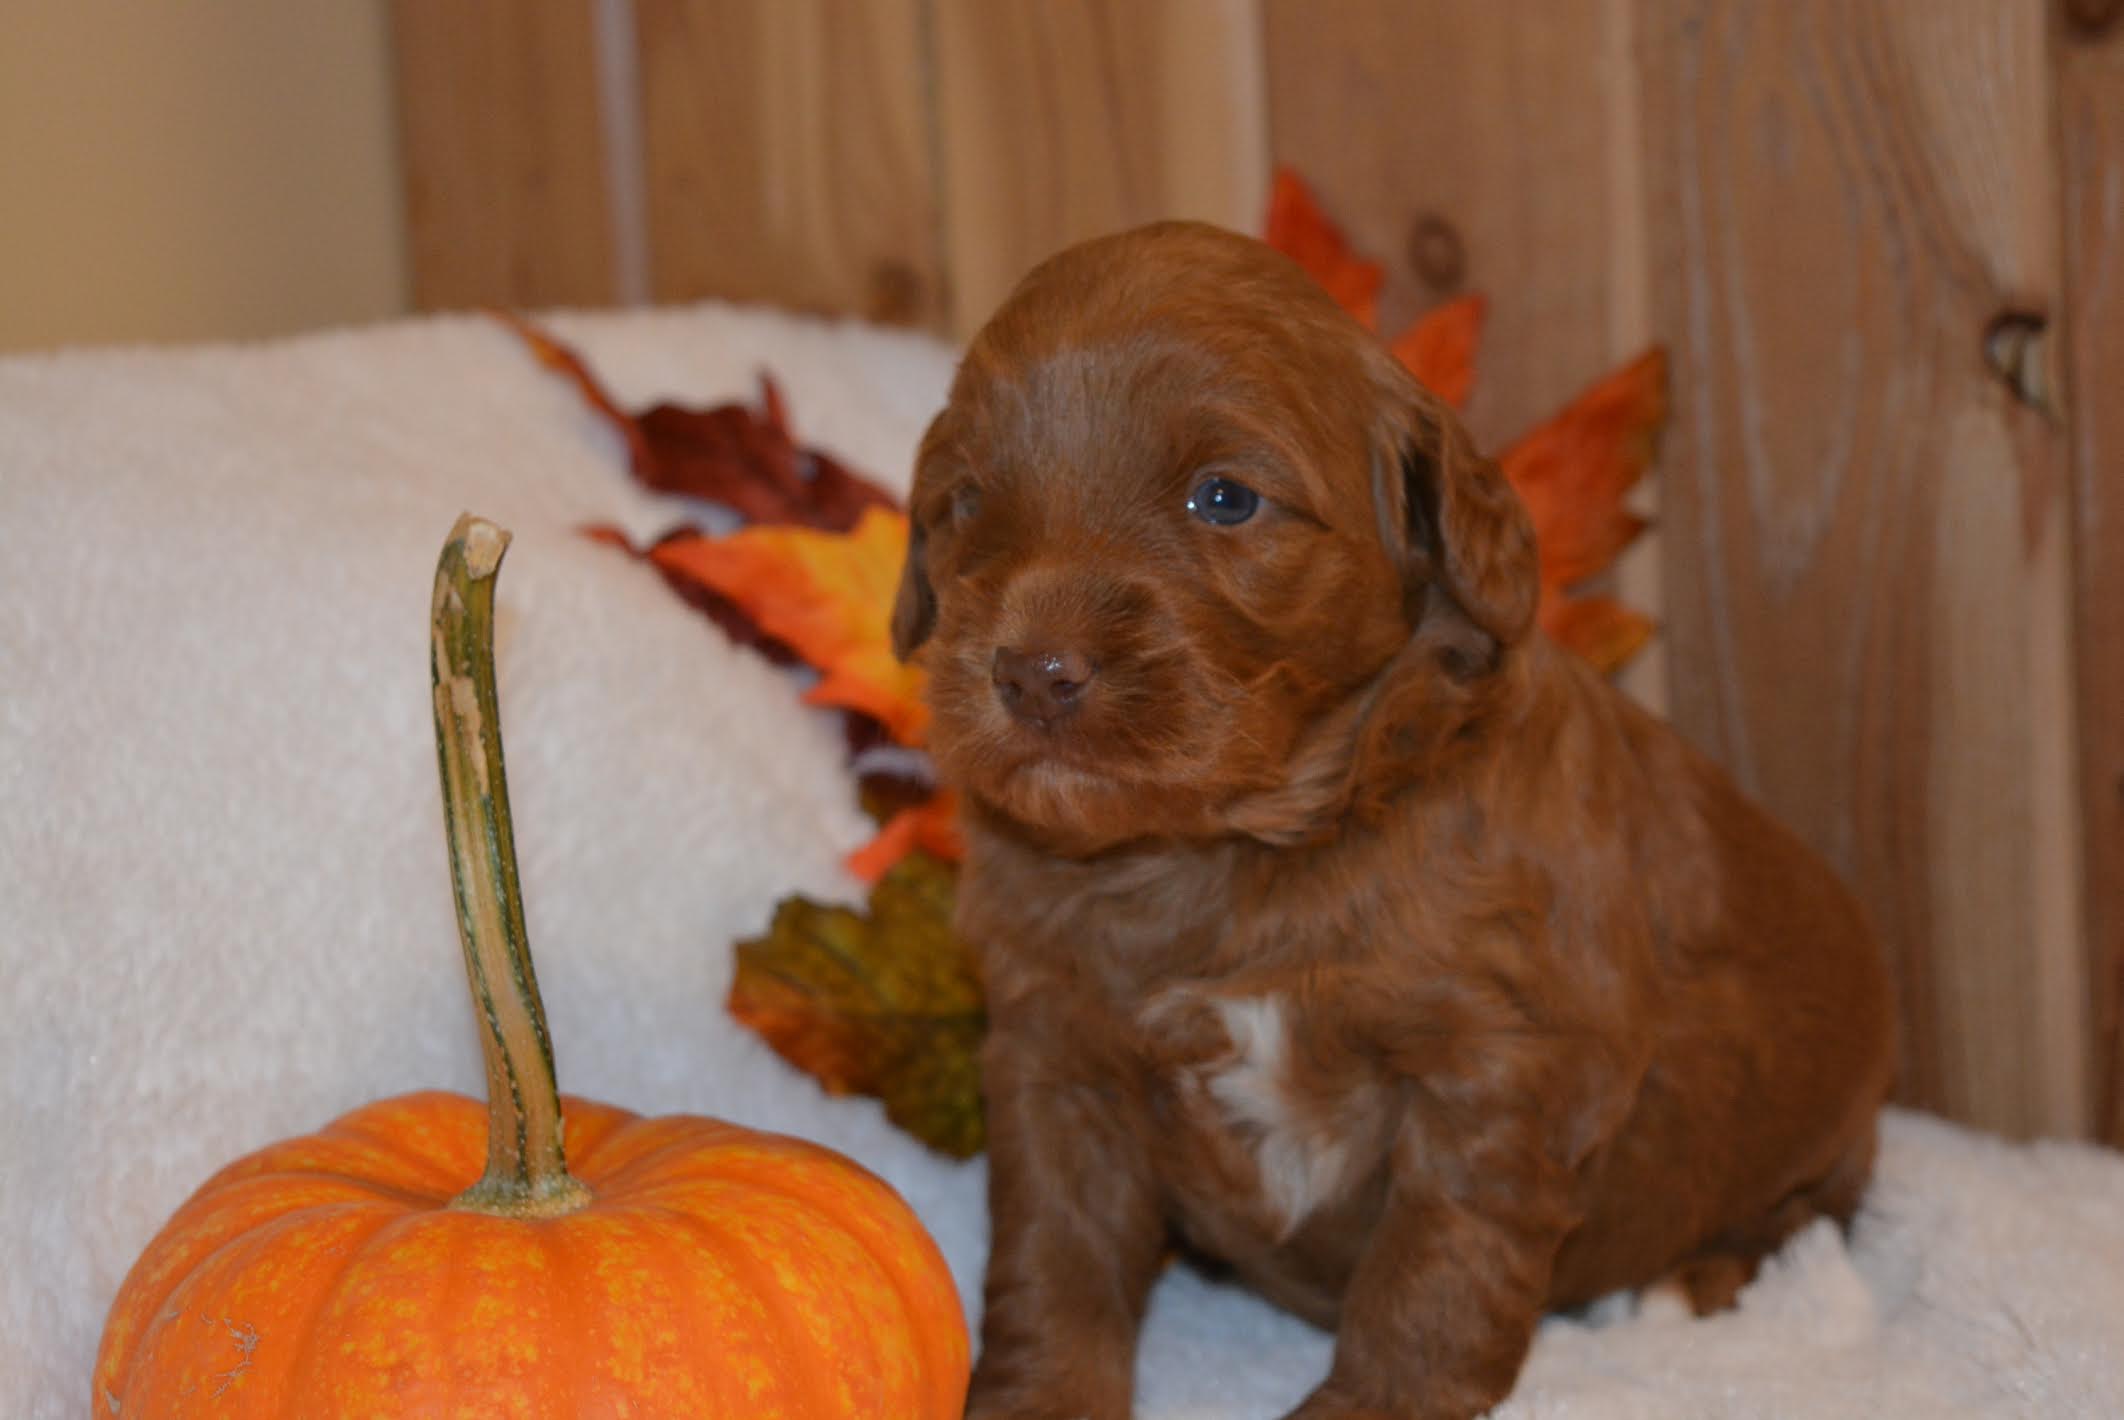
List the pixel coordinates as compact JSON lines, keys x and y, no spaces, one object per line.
{"x":1439,"y":349}
{"x":1574,"y":470}
{"x":932,"y":826}
{"x":1301,"y":231}
{"x":1599,"y":630}
{"x":828,"y":597}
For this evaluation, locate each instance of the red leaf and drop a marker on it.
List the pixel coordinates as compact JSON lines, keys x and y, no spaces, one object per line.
{"x":732,"y":454}
{"x":564,"y":361}
{"x":745,"y":459}
{"x":1301,"y":231}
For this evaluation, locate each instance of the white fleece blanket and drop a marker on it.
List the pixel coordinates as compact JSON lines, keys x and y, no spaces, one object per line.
{"x":224,"y":916}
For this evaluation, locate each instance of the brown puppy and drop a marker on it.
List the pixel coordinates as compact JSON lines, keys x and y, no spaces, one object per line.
{"x":1335,"y":924}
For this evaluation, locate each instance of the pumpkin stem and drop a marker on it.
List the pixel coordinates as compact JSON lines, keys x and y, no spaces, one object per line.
{"x":527,"y":1167}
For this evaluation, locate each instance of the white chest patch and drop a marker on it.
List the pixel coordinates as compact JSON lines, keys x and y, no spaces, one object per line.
{"x":1300,"y":1162}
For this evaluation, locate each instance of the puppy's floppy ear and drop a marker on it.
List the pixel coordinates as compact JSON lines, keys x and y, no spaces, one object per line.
{"x":914,"y":608}
{"x":1448,"y":514}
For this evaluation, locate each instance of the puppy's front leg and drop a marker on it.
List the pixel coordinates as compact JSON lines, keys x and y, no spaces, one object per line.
{"x":1076,"y":1236}
{"x":1452,"y":1282}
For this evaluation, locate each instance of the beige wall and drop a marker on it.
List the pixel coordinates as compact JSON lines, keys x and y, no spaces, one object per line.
{"x":195,"y":169}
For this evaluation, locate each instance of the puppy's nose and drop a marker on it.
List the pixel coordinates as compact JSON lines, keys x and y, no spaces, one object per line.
{"x":1041,"y":687}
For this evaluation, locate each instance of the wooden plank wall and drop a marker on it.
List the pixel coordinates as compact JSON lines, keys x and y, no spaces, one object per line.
{"x":1059,"y":121}
{"x":789,"y":156}
{"x":1867,"y":550}
{"x":2090,"y":35}
{"x":500,"y":128}
{"x":903,"y":160}
{"x":1884,"y":240}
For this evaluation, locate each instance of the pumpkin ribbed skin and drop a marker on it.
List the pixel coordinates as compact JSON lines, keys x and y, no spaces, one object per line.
{"x":717,"y":1272}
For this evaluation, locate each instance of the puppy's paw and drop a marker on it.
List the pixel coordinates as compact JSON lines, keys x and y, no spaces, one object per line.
{"x":983,"y":1410}
{"x":1332,"y":1402}
{"x":1318,"y":1408}
{"x":1702,"y":1286}
{"x":997,"y":1398}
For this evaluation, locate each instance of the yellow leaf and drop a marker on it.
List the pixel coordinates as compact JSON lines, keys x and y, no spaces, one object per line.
{"x":828,"y":597}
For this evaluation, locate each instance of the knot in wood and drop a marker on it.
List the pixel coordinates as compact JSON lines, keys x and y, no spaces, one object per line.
{"x":897,"y":294}
{"x":2016,"y":352}
{"x":1436,"y":253}
{"x":2091,"y":19}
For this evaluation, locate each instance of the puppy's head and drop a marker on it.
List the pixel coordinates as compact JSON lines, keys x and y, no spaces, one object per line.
{"x":1178,"y":527}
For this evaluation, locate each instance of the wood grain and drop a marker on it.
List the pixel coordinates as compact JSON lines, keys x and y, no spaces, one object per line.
{"x":1063,"y":119}
{"x":1501,"y":125}
{"x":506,"y":195}
{"x":787,"y":147}
{"x":2091,"y":131}
{"x":1868,"y":565}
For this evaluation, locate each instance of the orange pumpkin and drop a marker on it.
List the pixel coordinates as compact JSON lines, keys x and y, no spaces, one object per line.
{"x":685,"y":1267}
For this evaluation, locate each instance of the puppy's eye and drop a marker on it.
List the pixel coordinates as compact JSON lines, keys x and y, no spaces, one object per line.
{"x":1223,"y":502}
{"x":965,"y":502}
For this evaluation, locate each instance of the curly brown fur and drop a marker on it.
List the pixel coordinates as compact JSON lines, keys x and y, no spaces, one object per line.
{"x":1335,"y":924}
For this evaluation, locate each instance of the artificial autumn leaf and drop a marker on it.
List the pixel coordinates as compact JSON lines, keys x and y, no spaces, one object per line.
{"x":886,"y":1004}
{"x":1301,"y":231}
{"x":828,"y":597}
{"x":725,"y":613}
{"x":565,"y":362}
{"x":1599,"y":630}
{"x":1574,"y":470}
{"x":931,"y":826}
{"x":898,"y":789}
{"x":910,"y":809}
{"x":1439,"y":349}
{"x":732,"y":454}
